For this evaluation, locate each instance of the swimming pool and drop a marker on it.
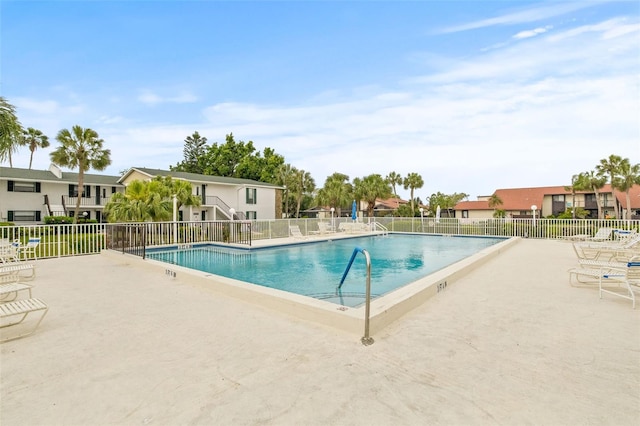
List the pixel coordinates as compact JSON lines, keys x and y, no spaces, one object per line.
{"x":315,"y":269}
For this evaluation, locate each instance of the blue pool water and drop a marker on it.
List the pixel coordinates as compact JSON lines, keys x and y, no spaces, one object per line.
{"x":315,"y":269}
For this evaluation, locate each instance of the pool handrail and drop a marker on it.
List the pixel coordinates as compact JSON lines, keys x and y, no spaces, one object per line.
{"x":366,"y":339}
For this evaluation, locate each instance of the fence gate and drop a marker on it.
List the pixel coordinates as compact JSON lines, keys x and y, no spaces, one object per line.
{"x":128,"y":238}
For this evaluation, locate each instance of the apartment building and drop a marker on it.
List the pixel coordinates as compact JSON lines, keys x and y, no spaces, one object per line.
{"x":27,"y":196}
{"x":551,"y":201}
{"x":222,"y":198}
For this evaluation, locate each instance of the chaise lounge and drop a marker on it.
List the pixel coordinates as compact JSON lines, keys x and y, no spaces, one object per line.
{"x":14,"y":313}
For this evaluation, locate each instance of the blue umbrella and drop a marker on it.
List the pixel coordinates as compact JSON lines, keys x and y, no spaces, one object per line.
{"x":354,"y":211}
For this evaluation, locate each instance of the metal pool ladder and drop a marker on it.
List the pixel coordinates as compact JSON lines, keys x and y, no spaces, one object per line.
{"x":366,"y":339}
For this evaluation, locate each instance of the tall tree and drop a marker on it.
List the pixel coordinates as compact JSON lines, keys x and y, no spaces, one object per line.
{"x":611,"y":167}
{"x":286,"y":178}
{"x":82,"y":149}
{"x":336,"y":192}
{"x":271,"y":162}
{"x":628,"y":176}
{"x":369,"y":189}
{"x":394,"y":179}
{"x":302,"y":183}
{"x":194,"y":151}
{"x":223,"y":160}
{"x":412,"y":182}
{"x":595,"y":182}
{"x":10,"y":131}
{"x":445,"y":201}
{"x":576,"y":185}
{"x":34,"y":139}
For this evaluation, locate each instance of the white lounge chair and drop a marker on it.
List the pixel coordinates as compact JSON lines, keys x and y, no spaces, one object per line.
{"x":14,"y":313}
{"x":592,"y":271}
{"x":626,"y":280}
{"x":29,"y":248}
{"x":9,"y":292}
{"x":603,"y":234}
{"x":294,"y":231}
{"x":323,"y":228}
{"x":624,"y":249}
{"x":8,"y":252}
{"x":16,"y":271}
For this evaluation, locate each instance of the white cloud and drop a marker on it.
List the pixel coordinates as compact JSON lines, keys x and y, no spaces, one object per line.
{"x":151,"y":98}
{"x":532,"y":33}
{"x":546,"y":11}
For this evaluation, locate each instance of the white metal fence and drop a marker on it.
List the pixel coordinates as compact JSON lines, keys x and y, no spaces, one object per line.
{"x":73,"y":240}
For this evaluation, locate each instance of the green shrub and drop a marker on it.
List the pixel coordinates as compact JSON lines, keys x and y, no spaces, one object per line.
{"x":57,"y":220}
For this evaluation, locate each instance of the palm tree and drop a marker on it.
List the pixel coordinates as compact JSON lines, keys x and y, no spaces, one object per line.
{"x":595,"y":182}
{"x":394,"y":179}
{"x":413,"y":181}
{"x":336,"y":192}
{"x":303,"y":183}
{"x":629,"y":175}
{"x":34,"y":139}
{"x":369,"y":189}
{"x":576,"y":185}
{"x":611,"y":167}
{"x":82,"y":149}
{"x":10,"y":131}
{"x":285,"y":177}
{"x":495,"y":201}
{"x":167,"y":187}
{"x":138,"y":204}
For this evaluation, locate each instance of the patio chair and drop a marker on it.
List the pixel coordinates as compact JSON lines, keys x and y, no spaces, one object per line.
{"x":9,"y":292}
{"x":603,"y":234}
{"x":609,"y":250}
{"x":29,"y":248}
{"x":16,"y":271}
{"x":14,"y":313}
{"x":323,"y":228}
{"x":8,"y":252}
{"x":294,"y":231}
{"x":592,"y":271}
{"x":627,"y":281}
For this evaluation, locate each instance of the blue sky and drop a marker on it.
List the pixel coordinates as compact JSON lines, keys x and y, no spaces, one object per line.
{"x":472,"y":95}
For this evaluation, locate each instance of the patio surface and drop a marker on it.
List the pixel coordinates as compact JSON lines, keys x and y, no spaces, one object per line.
{"x":511,"y":343}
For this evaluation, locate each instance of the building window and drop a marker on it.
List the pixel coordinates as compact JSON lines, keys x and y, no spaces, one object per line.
{"x":17,"y":186}
{"x":558,"y":198}
{"x":251,"y":215}
{"x":252,"y":194}
{"x":23,"y":215}
{"x":73,"y":191}
{"x":465,"y":214}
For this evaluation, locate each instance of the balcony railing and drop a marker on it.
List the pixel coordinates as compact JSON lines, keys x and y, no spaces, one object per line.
{"x":70,"y":202}
{"x":213,"y":201}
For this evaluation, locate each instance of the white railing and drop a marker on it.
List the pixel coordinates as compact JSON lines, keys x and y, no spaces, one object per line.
{"x":91,"y":238}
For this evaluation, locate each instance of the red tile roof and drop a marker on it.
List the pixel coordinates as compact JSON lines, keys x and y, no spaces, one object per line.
{"x":473,"y":205}
{"x":390,"y":203}
{"x":523,"y":198}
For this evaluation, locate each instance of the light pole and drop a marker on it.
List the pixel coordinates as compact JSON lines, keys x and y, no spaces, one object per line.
{"x":533,"y":209}
{"x":175,"y":218}
{"x":232,"y":213}
{"x":333,"y":226}
{"x":421,"y":219}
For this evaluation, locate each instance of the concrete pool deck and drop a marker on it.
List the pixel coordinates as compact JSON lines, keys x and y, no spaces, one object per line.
{"x":510,"y":343}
